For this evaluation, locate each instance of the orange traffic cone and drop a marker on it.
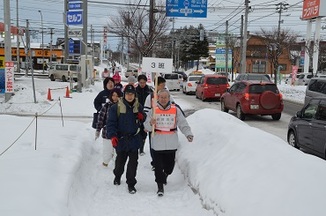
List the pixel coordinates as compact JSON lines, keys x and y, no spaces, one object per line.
{"x":49,"y":95}
{"x":67,"y":93}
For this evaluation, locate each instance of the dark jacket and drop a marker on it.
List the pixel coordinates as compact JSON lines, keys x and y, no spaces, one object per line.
{"x":101,"y":99}
{"x":124,"y":124}
{"x":102,"y":118}
{"x":142,"y":93}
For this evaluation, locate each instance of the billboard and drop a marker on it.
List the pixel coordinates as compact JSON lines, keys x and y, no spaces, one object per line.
{"x":313,"y":8}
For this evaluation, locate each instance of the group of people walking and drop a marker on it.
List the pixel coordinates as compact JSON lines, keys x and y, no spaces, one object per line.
{"x":127,"y":116}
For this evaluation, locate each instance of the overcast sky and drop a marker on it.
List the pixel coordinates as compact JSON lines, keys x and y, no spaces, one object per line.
{"x":263,"y":15}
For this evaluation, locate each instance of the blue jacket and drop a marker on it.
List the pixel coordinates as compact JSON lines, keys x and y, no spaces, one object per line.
{"x":123,"y":123}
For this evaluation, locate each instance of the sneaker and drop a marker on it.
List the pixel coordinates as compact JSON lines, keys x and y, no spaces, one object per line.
{"x":153,"y":168}
{"x":105,"y":164}
{"x":142,"y":153}
{"x":160,"y":191}
{"x":116,"y":181}
{"x":132,"y":189}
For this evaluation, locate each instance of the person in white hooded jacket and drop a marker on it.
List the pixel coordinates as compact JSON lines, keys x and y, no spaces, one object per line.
{"x":167,"y":120}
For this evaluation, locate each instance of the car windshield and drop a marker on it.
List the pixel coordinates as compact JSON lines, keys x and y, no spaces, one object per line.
{"x":258,"y":88}
{"x":171,"y":76}
{"x":258,"y":77}
{"x":74,"y":67}
{"x":216,"y":80}
{"x":194,"y":78}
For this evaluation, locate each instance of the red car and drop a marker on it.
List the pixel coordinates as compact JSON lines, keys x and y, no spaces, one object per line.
{"x":253,"y":97}
{"x":211,"y":86}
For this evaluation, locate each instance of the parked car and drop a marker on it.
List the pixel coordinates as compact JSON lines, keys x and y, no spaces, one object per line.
{"x":183,"y":74}
{"x":252,"y":76}
{"x":172,"y":81}
{"x":189,"y":86}
{"x":131,"y":73}
{"x":224,"y":74}
{"x":315,"y":88}
{"x":211,"y":86}
{"x":253,"y":97}
{"x":307,"y":129}
{"x":64,"y":72}
{"x":303,"y":78}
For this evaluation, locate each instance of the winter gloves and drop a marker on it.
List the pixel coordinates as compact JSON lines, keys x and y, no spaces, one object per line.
{"x":114,"y":141}
{"x":140,"y":116}
{"x":190,"y":138}
{"x":97,"y":134}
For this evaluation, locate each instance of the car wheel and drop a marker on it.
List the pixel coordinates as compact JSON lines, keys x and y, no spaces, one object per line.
{"x":292,"y":139}
{"x":202,"y":97}
{"x":52,"y":77}
{"x":196,"y":95}
{"x":223,"y":108}
{"x":63,"y":78}
{"x":276,"y":116}
{"x":240,"y":114}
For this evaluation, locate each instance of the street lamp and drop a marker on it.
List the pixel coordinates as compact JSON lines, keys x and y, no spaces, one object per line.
{"x":42,"y":39}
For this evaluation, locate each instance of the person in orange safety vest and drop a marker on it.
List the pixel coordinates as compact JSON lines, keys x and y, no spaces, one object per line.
{"x":167,"y":120}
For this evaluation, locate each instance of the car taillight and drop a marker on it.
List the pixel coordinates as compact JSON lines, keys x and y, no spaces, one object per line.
{"x":227,"y":85}
{"x":189,"y":84}
{"x":246,"y":96}
{"x":205,"y":86}
{"x":281,"y":96}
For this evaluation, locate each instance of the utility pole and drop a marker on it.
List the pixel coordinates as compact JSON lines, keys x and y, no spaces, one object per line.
{"x":66,"y":51}
{"x":18,"y":43}
{"x":279,"y":8}
{"x":173,"y":43}
{"x":128,"y":41}
{"x":241,"y":45}
{"x":151,"y":26}
{"x":227,"y":46}
{"x":51,"y":41}
{"x":42,"y":32}
{"x":28,"y":53}
{"x":92,"y":40}
{"x":244,"y":39}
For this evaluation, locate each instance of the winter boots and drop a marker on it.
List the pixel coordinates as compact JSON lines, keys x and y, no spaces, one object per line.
{"x":132,"y":189}
{"x":116,"y":181}
{"x":160,"y":191}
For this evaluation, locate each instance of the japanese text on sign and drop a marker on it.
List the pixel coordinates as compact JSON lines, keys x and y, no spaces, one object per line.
{"x":9,"y":71}
{"x":310,"y":9}
{"x":165,"y":122}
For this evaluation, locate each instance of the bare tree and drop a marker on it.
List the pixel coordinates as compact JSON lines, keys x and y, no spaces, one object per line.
{"x":277,"y":42}
{"x":133,"y":23}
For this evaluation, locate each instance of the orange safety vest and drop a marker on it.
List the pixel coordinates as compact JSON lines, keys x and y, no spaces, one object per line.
{"x":166,"y":120}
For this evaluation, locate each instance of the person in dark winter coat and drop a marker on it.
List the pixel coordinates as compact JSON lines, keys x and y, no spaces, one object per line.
{"x":102,"y":97}
{"x":143,"y":90}
{"x":114,"y":96}
{"x":123,"y":127}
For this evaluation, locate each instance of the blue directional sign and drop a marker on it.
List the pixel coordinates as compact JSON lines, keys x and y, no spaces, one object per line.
{"x":186,"y":8}
{"x":74,"y":18}
{"x":75,"y":6}
{"x":71,"y":46}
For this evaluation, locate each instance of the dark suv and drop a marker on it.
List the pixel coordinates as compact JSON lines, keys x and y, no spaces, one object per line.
{"x":253,"y":97}
{"x":307,"y":129}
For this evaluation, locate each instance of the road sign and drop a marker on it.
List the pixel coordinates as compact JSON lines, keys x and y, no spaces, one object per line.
{"x":75,"y":32}
{"x":186,"y":8}
{"x":74,"y":18}
{"x":157,"y":65}
{"x":71,"y":46}
{"x":74,"y":6}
